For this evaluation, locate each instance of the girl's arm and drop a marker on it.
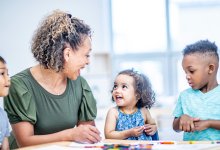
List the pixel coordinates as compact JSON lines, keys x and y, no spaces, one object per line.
{"x":5,"y":144}
{"x":147,"y":116}
{"x":150,"y":124}
{"x":24,"y":134}
{"x":110,"y":124}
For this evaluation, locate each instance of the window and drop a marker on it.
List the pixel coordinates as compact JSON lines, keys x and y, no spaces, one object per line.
{"x":192,"y":20}
{"x":149,"y":35}
{"x":135,"y":29}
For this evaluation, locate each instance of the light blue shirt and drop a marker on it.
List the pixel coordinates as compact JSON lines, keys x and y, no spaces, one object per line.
{"x":4,"y":125}
{"x":200,"y":105}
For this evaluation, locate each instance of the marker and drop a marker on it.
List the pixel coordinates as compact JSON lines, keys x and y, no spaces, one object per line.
{"x":167,"y":142}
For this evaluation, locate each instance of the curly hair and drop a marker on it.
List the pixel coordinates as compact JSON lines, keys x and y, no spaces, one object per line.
{"x":56,"y":32}
{"x":204,"y":47}
{"x":2,"y":60}
{"x":142,"y":87}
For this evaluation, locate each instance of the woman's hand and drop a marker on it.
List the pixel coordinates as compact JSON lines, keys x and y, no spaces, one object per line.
{"x":86,"y":134}
{"x":150,"y":129}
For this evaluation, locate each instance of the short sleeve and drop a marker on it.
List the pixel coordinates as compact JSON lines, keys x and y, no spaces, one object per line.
{"x":88,"y":109}
{"x":19,"y":104}
{"x":4,"y":125}
{"x":7,"y":133}
{"x":178,"y":111}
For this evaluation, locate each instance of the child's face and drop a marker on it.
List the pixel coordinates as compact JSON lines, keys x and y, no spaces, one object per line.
{"x":4,"y":80}
{"x":197,"y":71}
{"x":123,"y":91}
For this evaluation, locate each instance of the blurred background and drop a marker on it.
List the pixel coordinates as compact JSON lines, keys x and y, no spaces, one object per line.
{"x":147,"y":35}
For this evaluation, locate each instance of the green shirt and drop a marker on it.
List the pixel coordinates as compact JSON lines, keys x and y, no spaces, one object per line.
{"x":29,"y":101}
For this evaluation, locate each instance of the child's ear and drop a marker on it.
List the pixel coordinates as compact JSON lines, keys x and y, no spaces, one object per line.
{"x":211,"y":68}
{"x":66,"y":54}
{"x":138,"y":96}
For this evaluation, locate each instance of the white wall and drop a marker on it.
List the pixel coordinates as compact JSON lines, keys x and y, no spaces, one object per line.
{"x":20,"y":18}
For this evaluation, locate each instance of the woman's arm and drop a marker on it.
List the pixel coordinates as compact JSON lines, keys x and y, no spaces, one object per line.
{"x":86,"y":123}
{"x":24,"y":134}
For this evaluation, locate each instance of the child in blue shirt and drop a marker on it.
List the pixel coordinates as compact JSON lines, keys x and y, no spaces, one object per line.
{"x":131,"y":118}
{"x":4,"y":87}
{"x":197,"y":111}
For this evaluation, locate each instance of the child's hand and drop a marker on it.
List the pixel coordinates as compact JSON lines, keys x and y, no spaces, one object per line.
{"x":201,"y":125}
{"x":150,"y":129}
{"x":186,"y":123}
{"x":137,"y":131}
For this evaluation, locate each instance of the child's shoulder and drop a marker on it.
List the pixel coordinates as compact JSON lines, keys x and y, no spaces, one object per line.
{"x":144,"y":110}
{"x":113,"y":109}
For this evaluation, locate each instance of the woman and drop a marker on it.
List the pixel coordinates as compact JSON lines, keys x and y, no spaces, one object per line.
{"x":47,"y":101}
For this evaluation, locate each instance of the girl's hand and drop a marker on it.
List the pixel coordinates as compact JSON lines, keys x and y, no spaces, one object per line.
{"x":150,"y":129}
{"x":137,"y":131}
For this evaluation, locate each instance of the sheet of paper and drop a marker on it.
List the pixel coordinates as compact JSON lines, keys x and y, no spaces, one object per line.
{"x":95,"y":146}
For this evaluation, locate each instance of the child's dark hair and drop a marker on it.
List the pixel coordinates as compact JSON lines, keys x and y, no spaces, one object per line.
{"x":204,"y":47}
{"x":142,"y":87}
{"x":2,"y":60}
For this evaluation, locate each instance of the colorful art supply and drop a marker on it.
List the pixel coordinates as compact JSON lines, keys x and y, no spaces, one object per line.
{"x":166,"y":142}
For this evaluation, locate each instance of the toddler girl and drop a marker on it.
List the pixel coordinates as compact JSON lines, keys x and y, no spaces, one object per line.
{"x":131,"y":119}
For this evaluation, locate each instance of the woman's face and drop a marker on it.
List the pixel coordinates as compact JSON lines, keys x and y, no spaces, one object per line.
{"x":75,"y":60}
{"x":4,"y":80}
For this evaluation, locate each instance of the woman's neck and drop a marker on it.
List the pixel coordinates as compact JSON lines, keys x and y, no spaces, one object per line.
{"x":52,"y":81}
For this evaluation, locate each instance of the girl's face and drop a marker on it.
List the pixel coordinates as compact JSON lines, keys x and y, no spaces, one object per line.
{"x":77,"y":60}
{"x":197,"y":71}
{"x":4,"y":80}
{"x":123,"y":91}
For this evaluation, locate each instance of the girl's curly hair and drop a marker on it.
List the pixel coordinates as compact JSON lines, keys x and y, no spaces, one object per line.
{"x":56,"y":32}
{"x":142,"y":87}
